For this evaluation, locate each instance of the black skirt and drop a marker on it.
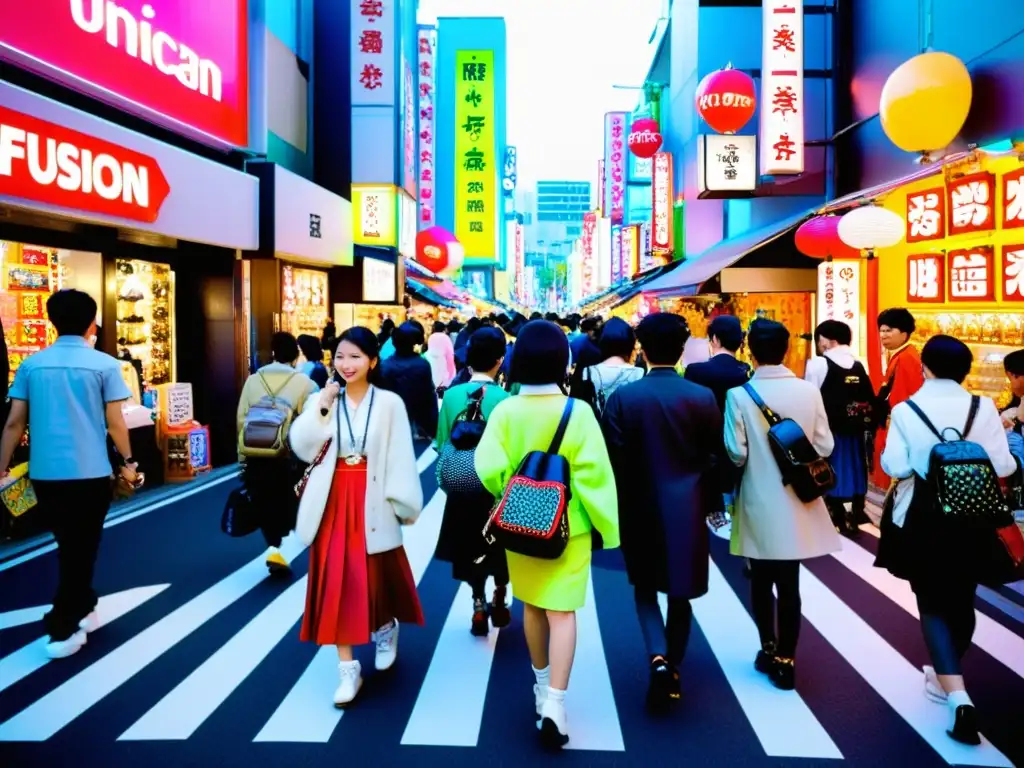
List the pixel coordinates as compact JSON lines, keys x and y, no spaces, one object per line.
{"x":461,"y":541}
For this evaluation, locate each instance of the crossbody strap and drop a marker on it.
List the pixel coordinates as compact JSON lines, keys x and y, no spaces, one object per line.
{"x":274,"y":393}
{"x":556,"y":443}
{"x":770,"y":416}
{"x":972,"y":414}
{"x":927,"y":422}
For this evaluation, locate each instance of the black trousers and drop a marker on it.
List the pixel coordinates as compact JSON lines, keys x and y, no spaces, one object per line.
{"x":668,"y":639}
{"x":74,"y":510}
{"x":947,"y":614}
{"x":777,"y":618}
{"x":271,"y":486}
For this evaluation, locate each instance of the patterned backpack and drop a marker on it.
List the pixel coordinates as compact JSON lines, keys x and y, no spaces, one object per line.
{"x":532,"y":517}
{"x":456,"y":463}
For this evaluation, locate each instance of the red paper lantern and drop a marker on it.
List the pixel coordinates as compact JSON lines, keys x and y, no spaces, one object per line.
{"x":438,"y":250}
{"x":726,"y":99}
{"x":819,"y":239}
{"x":645,"y":137}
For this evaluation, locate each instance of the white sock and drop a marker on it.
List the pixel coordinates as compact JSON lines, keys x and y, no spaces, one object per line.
{"x":958,"y":699}
{"x":543,"y":676}
{"x":556,"y":695}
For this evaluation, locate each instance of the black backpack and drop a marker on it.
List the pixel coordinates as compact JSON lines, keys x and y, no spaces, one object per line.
{"x":849,"y":399}
{"x":808,"y":474}
{"x":961,"y":476}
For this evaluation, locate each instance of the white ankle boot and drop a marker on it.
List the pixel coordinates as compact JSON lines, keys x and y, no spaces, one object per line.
{"x":350,"y":673}
{"x":554,"y":726}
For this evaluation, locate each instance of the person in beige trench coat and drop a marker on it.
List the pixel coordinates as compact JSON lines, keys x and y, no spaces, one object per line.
{"x":771,"y":526}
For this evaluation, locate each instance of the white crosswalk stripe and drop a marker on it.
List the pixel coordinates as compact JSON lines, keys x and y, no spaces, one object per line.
{"x":452,"y":691}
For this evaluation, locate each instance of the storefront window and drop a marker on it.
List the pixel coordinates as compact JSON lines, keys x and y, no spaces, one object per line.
{"x":145,"y":318}
{"x":304,"y":306}
{"x":30,"y":275}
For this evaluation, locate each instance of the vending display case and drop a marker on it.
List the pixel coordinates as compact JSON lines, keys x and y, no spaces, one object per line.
{"x":990,"y":335}
{"x":145,"y":318}
{"x":304,"y":306}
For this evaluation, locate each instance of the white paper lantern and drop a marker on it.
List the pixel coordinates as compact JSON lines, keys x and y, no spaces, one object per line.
{"x":871,"y":227}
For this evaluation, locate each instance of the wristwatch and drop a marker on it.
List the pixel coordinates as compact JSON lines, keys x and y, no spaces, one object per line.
{"x":129,"y":462}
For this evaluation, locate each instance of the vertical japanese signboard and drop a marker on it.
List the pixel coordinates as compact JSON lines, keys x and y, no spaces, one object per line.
{"x":1013,"y":199}
{"x":408,"y":128}
{"x":520,"y":263}
{"x":588,"y":243}
{"x":782,"y":88}
{"x":839,"y":295}
{"x":476,"y":161}
{"x":426,"y":46}
{"x":601,"y":187}
{"x":616,"y":254}
{"x":374,"y":53}
{"x":661,"y":207}
{"x":614,"y":202}
{"x":630,"y":251}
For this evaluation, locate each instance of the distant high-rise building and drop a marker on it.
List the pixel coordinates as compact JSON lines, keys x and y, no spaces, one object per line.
{"x":559,"y":207}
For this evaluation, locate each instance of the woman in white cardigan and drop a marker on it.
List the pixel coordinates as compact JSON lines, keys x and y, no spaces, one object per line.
{"x":771,"y":526}
{"x":361,"y":488}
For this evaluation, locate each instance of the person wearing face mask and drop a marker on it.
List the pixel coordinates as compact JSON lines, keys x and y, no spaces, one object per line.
{"x":903,"y":377}
{"x":361,"y":487}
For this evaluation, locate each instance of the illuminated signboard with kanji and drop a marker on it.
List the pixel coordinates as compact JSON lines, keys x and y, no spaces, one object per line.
{"x":782,"y":88}
{"x":373,"y":53}
{"x":839,"y":295}
{"x":614,"y":204}
{"x":926,"y":215}
{"x":1013,"y":273}
{"x":427,"y":46}
{"x":476,"y":161}
{"x":926,"y":278}
{"x":589,"y":255}
{"x":1013,"y":199}
{"x":971,"y":204}
{"x":971,"y":274}
{"x":661,"y":209}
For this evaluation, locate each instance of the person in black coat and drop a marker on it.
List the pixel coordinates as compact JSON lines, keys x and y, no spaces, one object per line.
{"x":5,"y":372}
{"x":723,"y":371}
{"x":665,"y":441}
{"x":408,"y":375}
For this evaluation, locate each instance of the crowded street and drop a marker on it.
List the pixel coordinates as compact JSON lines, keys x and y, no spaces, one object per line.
{"x":201,"y":665}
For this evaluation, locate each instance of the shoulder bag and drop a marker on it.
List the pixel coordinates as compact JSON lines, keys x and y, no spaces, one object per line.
{"x":456,"y":462}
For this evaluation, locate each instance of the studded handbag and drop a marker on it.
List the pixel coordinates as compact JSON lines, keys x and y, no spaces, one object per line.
{"x":456,"y":461}
{"x":532,"y":517}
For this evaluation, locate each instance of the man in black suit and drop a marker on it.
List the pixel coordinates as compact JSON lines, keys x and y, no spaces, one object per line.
{"x":666,"y":445}
{"x":720,"y":374}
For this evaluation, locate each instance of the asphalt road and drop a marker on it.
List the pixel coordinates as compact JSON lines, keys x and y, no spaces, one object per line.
{"x":198,"y":663}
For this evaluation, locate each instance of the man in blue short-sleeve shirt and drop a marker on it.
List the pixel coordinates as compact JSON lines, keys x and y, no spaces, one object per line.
{"x":69,"y":396}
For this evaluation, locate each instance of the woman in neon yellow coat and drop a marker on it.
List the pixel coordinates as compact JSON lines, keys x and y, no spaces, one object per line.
{"x":551,"y":590}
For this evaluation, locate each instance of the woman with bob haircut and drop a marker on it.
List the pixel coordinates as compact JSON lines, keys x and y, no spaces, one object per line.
{"x":912,"y":546}
{"x":551,"y":590}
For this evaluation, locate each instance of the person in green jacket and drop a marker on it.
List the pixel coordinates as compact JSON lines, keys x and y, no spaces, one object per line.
{"x":461,"y":540}
{"x":551,"y":590}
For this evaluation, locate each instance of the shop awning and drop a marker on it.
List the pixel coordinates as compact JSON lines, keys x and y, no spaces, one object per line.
{"x":691,"y":276}
{"x":424,"y":293}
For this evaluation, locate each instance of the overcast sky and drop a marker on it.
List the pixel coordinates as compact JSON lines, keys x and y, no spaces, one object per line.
{"x":564,"y":57}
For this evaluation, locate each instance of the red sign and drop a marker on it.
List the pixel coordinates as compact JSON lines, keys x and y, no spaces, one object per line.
{"x":726,"y":99}
{"x":1013,"y":273}
{"x":644,"y":137}
{"x":926,"y":215}
{"x":972,"y":204}
{"x":50,"y":164}
{"x":971,"y":274}
{"x":926,"y":278}
{"x":1013,"y":199}
{"x":186,"y":60}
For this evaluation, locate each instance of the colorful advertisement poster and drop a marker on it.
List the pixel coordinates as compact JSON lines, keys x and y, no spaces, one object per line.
{"x":476,"y":161}
{"x":661,"y":209}
{"x":614,"y":204}
{"x":374,"y":53}
{"x":427,"y":46}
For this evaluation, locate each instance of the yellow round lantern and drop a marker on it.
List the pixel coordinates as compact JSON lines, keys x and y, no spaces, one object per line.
{"x":925,"y":102}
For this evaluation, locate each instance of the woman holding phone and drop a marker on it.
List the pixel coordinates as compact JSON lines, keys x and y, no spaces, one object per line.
{"x":361,"y":487}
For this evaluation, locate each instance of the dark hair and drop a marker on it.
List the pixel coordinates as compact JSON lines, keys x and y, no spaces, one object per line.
{"x":284,"y":348}
{"x":833,"y":330}
{"x":367,"y":342}
{"x":728,"y":331}
{"x":454,"y":326}
{"x":898,"y":319}
{"x":617,"y":339}
{"x":537,"y":316}
{"x":572,"y":322}
{"x":406,"y":337}
{"x":663,"y":336}
{"x":541,"y":354}
{"x":474,"y":324}
{"x":1013,"y":363}
{"x":386,"y":329}
{"x":421,"y":331}
{"x":768,"y":341}
{"x":71,"y":311}
{"x":590,"y":324}
{"x":439,"y":327}
{"x":486,"y":347}
{"x":311,"y":349}
{"x":947,"y":358}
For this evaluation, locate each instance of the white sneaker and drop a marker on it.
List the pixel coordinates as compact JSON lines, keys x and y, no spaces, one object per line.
{"x":61,"y":649}
{"x":90,"y":623}
{"x":554,"y":726}
{"x":932,"y":690}
{"x":351,"y":676}
{"x":387,"y":647}
{"x":540,"y":695}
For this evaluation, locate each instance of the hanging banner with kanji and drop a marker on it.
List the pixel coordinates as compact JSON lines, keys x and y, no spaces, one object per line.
{"x":374,"y":54}
{"x":426,"y":46}
{"x":782,"y":88}
{"x":615,"y":151}
{"x":476,"y":160}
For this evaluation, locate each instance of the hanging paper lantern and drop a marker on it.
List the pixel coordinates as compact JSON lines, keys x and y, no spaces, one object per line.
{"x":439,"y":251}
{"x":819,"y":239}
{"x":925,"y":102}
{"x":645,"y":137}
{"x":726,"y":99}
{"x":871,"y":227}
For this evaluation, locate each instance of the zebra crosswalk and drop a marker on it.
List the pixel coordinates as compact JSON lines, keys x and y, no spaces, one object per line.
{"x":223,"y":673}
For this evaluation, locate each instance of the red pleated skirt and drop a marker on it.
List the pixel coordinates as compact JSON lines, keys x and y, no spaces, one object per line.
{"x":350,"y":594}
